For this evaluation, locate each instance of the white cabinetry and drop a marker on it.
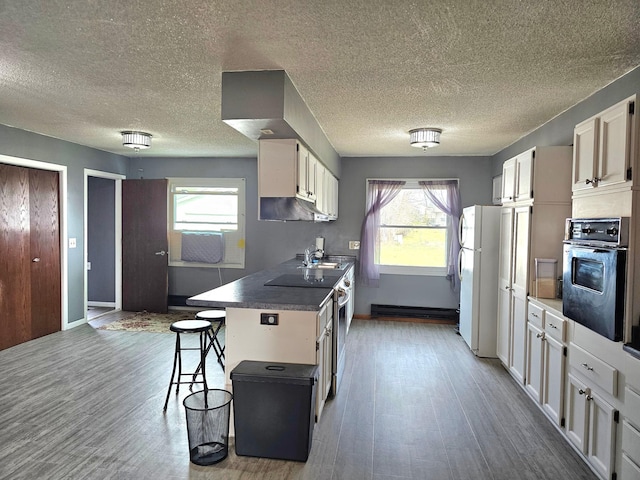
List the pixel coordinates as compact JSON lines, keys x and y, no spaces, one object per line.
{"x":521,"y":224}
{"x":591,"y":419}
{"x":546,"y":354}
{"x":603,"y":149}
{"x":536,"y":195}
{"x":505,"y":273}
{"x":509,"y":181}
{"x":497,"y":190}
{"x":324,"y":354}
{"x":630,"y":468}
{"x":286,"y":168}
{"x":591,"y":426}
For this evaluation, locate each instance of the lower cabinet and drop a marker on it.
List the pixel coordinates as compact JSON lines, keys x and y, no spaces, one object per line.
{"x":591,"y":425}
{"x":324,"y":355}
{"x":519,"y":338}
{"x":631,"y":435}
{"x":546,"y":358}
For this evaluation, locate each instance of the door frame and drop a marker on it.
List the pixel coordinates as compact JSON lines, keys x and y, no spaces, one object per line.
{"x":62,"y":200}
{"x":117,"y":178}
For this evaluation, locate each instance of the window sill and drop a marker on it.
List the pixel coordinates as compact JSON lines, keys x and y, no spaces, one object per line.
{"x":405,"y":270}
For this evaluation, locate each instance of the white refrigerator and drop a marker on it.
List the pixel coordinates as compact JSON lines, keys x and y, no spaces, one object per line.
{"x":479,"y":237}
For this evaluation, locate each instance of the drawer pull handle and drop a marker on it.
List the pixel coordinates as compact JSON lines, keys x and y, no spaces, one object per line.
{"x":585,"y":365}
{"x":581,"y":392}
{"x":553,"y":326}
{"x":534,"y":314}
{"x":540,"y":335}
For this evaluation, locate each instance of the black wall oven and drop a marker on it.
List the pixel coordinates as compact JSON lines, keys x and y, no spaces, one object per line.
{"x":594,"y":273}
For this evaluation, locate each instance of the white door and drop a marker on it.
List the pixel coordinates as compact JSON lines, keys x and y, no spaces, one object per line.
{"x":468,"y":228}
{"x":468,"y":298}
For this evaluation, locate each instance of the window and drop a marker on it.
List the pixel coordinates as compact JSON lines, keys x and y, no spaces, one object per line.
{"x":207,"y":222}
{"x":413,"y":234}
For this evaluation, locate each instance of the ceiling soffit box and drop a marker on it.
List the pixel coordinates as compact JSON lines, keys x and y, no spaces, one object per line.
{"x":253,"y":101}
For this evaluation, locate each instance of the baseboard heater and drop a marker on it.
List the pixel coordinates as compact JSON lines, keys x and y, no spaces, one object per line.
{"x":414,"y":312}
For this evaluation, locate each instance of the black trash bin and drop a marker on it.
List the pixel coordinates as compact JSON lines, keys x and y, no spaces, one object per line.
{"x":274,"y":409}
{"x":208,"y":425}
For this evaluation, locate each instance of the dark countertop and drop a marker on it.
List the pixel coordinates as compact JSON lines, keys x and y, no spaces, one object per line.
{"x":250,"y":291}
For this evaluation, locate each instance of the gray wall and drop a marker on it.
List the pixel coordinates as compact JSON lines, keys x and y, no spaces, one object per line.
{"x":20,"y":143}
{"x":474,"y":174}
{"x":101,"y":234}
{"x":272,"y":242}
{"x":559,"y":131}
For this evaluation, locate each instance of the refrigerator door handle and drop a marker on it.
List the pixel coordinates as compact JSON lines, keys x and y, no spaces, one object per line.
{"x":460,"y":225}
{"x":460,"y":264}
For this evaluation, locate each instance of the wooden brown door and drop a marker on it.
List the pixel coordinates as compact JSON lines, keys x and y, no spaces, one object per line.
{"x":145,"y":280}
{"x":30,"y":291}
{"x":45,"y":252}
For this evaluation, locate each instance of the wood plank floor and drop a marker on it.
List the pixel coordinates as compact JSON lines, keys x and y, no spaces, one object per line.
{"x":414,"y":403}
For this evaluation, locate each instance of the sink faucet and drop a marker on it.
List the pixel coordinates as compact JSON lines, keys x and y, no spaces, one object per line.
{"x":310,"y":254}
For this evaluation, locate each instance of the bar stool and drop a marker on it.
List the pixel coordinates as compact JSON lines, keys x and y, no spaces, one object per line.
{"x":202,"y":327}
{"x":217,"y":318}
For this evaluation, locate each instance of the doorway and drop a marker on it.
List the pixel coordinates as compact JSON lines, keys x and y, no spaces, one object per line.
{"x":102,"y":243}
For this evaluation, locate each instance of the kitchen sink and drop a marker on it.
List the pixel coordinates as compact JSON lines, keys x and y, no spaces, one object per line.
{"x":325,"y":265}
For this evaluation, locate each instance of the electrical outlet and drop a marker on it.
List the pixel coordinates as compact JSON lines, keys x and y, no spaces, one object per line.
{"x":269,"y":319}
{"x":72,"y":243}
{"x":354,"y":245}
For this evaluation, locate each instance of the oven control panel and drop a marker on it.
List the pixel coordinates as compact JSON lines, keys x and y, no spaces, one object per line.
{"x":613,"y":232}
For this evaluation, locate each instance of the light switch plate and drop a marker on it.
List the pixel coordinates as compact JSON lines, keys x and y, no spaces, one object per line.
{"x":354,"y":245}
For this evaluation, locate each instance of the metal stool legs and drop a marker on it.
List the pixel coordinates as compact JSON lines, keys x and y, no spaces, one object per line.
{"x":189,"y":326}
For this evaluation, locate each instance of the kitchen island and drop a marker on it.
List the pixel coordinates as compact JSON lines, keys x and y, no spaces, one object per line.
{"x":290,"y":320}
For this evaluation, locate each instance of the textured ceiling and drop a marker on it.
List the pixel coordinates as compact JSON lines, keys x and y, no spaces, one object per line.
{"x":486,"y":72}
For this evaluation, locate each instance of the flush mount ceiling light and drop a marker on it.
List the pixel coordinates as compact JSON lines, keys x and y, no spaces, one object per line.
{"x":136,"y":140}
{"x":424,"y":137}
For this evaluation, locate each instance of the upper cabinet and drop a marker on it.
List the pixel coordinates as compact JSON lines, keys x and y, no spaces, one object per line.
{"x":287,"y":169}
{"x":603,"y":149}
{"x":541,"y":174}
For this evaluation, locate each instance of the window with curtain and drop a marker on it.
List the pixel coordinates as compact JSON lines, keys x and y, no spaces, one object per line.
{"x":414,"y":231}
{"x":207,"y":222}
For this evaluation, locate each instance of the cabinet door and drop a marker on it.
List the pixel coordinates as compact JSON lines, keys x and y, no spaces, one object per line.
{"x":509,"y":180}
{"x":328,"y":343}
{"x":614,"y":145}
{"x":504,"y":285}
{"x":521,"y":228}
{"x":602,"y":426}
{"x":524,"y":175}
{"x":519,"y":337}
{"x":303,"y":161}
{"x":312,"y":163}
{"x":497,"y":190}
{"x":533,"y":377}
{"x":577,"y":413}
{"x":322,"y":202}
{"x":321,"y":393}
{"x":553,"y":379}
{"x":585,"y":149}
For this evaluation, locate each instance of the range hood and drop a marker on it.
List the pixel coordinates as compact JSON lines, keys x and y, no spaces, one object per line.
{"x":290,"y":209}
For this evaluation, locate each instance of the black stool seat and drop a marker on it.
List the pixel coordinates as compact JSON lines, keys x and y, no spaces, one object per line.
{"x":217,"y":318}
{"x":204,"y":329}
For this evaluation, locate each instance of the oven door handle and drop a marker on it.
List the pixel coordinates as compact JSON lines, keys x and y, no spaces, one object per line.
{"x":343,"y":296}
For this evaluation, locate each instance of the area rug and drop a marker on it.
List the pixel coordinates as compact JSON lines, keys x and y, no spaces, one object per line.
{"x":151,"y":322}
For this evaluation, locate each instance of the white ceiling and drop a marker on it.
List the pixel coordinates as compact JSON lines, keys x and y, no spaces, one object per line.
{"x":485,"y":71}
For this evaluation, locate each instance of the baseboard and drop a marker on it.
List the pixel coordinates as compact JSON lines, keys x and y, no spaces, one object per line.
{"x":439,"y":321}
{"x":91,"y":303}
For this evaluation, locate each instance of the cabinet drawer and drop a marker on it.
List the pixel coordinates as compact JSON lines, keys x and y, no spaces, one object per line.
{"x":555,"y":326}
{"x":631,"y":441}
{"x":628,"y":469}
{"x":536,"y":315}
{"x":632,"y":407}
{"x":600,"y":373}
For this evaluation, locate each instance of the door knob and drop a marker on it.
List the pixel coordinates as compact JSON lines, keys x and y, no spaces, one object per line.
{"x":161,"y":252}
{"x":36,"y":260}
